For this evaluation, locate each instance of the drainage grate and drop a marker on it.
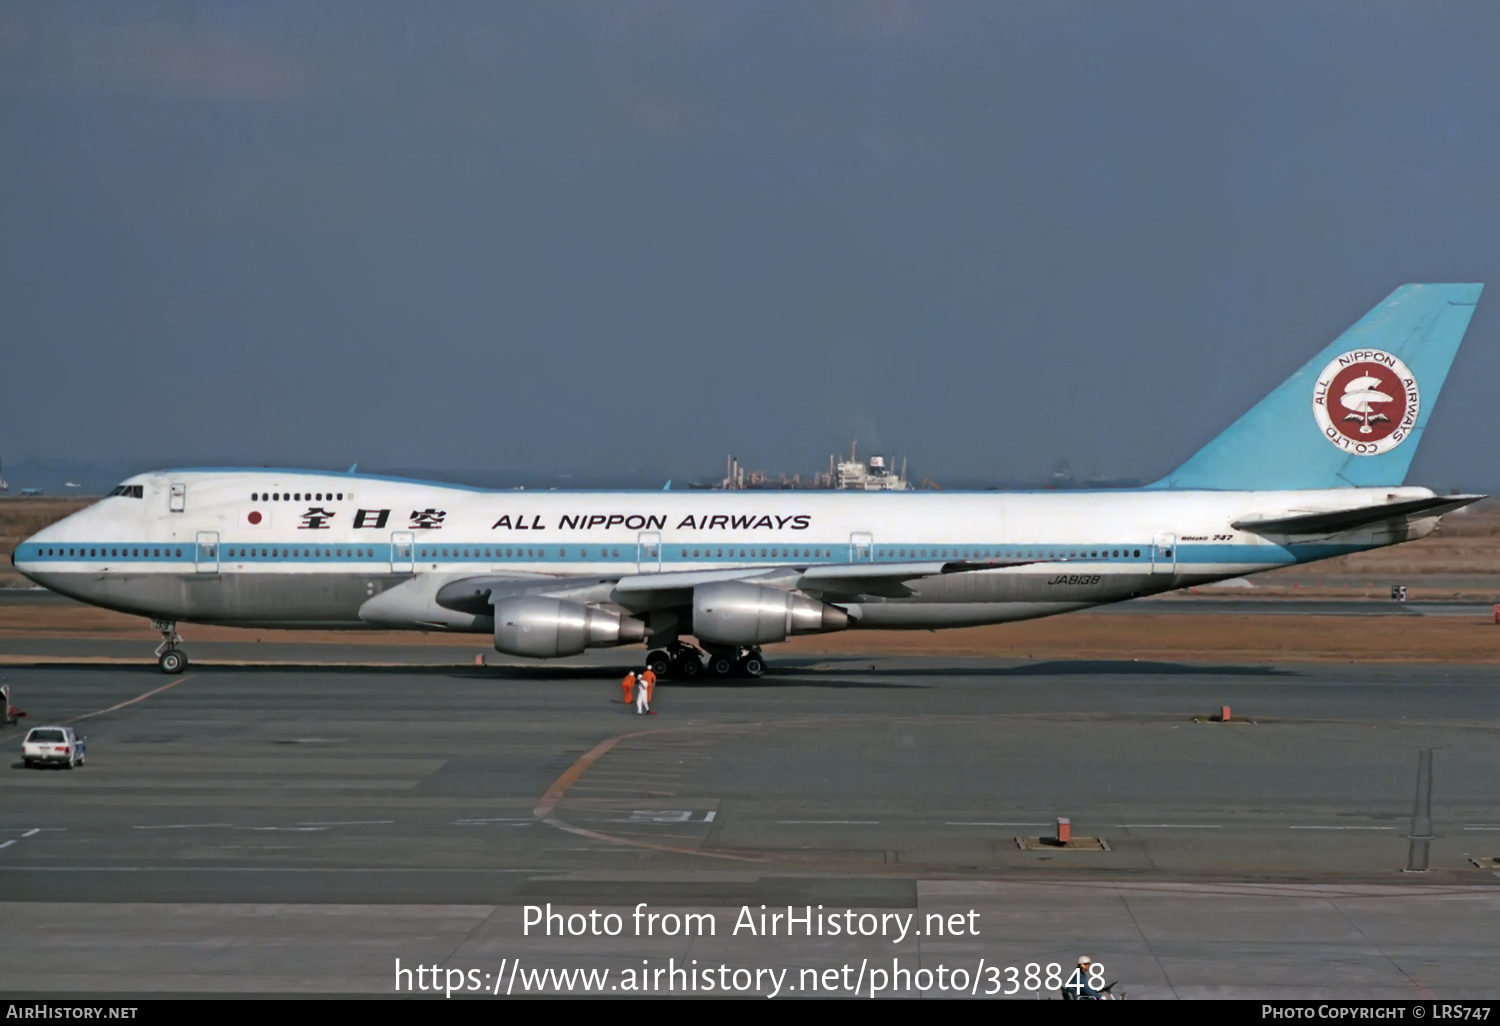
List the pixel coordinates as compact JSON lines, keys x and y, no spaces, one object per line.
{"x":1052,"y":844}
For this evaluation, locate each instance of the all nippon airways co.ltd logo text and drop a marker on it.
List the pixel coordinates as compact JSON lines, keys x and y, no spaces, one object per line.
{"x":1366,"y":402}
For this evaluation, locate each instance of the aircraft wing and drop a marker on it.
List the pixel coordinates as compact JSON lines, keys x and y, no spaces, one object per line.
{"x":1334,"y":521}
{"x":478,"y":593}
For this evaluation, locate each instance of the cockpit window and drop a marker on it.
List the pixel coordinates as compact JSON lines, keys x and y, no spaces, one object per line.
{"x":130,"y":491}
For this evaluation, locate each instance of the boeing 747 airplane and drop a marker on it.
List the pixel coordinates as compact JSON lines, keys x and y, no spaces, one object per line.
{"x":1315,"y":470}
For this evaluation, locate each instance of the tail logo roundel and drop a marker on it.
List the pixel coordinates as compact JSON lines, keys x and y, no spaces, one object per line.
{"x":1366,"y":402}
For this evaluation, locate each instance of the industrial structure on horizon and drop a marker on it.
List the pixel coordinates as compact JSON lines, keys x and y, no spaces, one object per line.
{"x":842,"y":475}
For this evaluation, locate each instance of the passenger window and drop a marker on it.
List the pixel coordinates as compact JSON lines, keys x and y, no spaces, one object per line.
{"x":341,"y":496}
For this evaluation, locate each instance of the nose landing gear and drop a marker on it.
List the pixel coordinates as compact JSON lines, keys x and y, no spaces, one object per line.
{"x":169,"y":657}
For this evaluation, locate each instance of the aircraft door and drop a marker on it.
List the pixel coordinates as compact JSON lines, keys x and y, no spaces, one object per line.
{"x":208,"y":551}
{"x":402,"y":552}
{"x":177,"y":502}
{"x":648,"y":552}
{"x":1164,"y":553}
{"x":861,"y":547}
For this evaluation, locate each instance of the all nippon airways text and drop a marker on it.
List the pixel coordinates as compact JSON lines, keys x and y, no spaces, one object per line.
{"x":790,"y":921}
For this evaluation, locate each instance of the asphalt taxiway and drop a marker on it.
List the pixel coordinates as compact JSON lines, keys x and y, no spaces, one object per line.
{"x":294,"y":828}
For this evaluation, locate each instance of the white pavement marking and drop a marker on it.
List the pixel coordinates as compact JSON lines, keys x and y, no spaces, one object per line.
{"x":8,"y":843}
{"x":969,"y":823}
{"x":1340,"y":828}
{"x":502,"y":820}
{"x":658,"y":816}
{"x":350,"y":822}
{"x":708,"y":817}
{"x":1173,"y":826}
{"x":295,"y":829}
{"x":257,"y":869}
{"x":834,"y":822}
{"x":185,"y":826}
{"x":32,"y":832}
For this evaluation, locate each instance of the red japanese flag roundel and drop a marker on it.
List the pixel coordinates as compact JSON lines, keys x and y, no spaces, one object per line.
{"x":256,"y":518}
{"x":1366,"y":402}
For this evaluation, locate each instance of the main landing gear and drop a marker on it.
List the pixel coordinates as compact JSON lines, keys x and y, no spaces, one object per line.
{"x":681,"y":661}
{"x":169,"y":657}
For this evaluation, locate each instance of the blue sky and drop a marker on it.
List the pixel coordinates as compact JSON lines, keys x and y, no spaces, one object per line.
{"x":529,"y":236}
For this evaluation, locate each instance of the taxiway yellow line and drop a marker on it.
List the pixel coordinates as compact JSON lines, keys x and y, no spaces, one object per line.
{"x":138,"y":698}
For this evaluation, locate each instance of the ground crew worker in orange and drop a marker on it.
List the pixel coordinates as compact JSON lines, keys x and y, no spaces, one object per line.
{"x":627,"y":685}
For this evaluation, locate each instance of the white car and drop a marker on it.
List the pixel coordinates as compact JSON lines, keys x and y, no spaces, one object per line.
{"x":56,"y":745}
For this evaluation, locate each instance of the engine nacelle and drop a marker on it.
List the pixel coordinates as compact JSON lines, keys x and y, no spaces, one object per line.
{"x":530,"y":625}
{"x":739,"y":613}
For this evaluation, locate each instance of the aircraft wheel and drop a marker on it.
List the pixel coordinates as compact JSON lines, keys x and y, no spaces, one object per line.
{"x":720,"y":665}
{"x":753,"y":666}
{"x":173,"y":660}
{"x":659,"y":663}
{"x":689,"y":667}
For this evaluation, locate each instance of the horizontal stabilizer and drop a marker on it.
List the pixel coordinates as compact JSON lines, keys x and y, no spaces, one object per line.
{"x":1359,"y":516}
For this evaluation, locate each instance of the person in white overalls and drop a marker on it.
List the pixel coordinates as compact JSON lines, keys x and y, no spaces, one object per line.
{"x":642,"y":697}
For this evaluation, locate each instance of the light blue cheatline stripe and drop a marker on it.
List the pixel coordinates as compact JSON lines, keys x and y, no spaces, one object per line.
{"x":673,"y":553}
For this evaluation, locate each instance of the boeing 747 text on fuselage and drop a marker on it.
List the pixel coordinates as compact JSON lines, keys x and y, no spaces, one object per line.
{"x":1315,"y":470}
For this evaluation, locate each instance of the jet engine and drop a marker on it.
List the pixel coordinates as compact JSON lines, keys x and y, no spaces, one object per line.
{"x":739,"y":613}
{"x":531,"y":625}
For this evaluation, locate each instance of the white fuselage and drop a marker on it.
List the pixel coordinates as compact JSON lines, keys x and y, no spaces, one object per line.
{"x":303,"y":549}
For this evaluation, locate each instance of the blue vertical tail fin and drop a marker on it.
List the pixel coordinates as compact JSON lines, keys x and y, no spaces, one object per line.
{"x":1353,"y":415}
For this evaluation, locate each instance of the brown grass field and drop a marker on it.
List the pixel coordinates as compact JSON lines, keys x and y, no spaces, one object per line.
{"x":1461,"y":561}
